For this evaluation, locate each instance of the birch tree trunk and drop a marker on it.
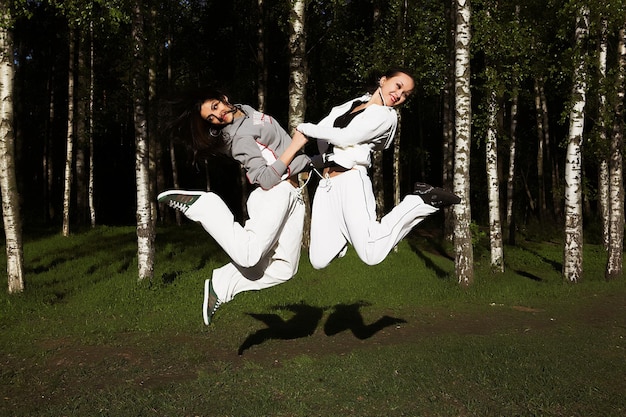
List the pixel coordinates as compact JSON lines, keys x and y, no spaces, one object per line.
{"x":48,"y":159}
{"x":510,"y":183}
{"x":81,"y":156}
{"x":297,"y":64}
{"x":448,"y":120}
{"x":8,"y":182}
{"x":464,"y":260}
{"x":541,"y":193}
{"x":397,"y":172}
{"x":261,"y":66}
{"x":548,"y":155}
{"x":377,"y":183}
{"x":377,"y":156}
{"x":297,"y":91}
{"x":616,"y":185}
{"x":153,"y":156}
{"x":145,"y":226}
{"x":172,"y":149}
{"x":92,"y":205}
{"x":573,"y":250}
{"x":69,"y":148}
{"x":603,"y":167}
{"x":493,"y":188}
{"x":397,"y":167}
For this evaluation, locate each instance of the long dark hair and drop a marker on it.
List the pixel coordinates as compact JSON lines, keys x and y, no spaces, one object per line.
{"x":188,"y":126}
{"x":373,"y":78}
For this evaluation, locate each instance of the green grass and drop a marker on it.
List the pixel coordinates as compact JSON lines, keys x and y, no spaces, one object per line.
{"x":85,"y":338}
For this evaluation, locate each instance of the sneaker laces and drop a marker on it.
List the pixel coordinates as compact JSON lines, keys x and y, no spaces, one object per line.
{"x":175,"y":204}
{"x":218,"y":303}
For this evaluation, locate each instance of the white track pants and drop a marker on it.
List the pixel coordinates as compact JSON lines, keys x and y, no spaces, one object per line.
{"x":344,"y":211}
{"x":265,"y":251}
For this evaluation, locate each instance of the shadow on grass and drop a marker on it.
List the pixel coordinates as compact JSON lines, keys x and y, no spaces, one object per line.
{"x":528,"y":275}
{"x":306,"y":319}
{"x":557,"y":266}
{"x":439,"y":250}
{"x":348,"y":317}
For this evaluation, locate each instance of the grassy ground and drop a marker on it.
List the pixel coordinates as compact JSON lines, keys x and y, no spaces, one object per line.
{"x":397,"y":339}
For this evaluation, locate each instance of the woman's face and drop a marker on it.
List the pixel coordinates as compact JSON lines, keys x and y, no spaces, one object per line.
{"x":397,"y":89}
{"x":217,"y":112}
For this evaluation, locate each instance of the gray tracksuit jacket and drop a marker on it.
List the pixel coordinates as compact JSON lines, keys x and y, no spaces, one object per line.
{"x":256,"y":141}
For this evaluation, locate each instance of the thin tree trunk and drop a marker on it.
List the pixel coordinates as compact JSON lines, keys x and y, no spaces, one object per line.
{"x":69,"y":150}
{"x":145,"y":226}
{"x":448,"y":120}
{"x":377,"y":183}
{"x":377,"y":156}
{"x":397,"y":172}
{"x":8,"y":182}
{"x":397,"y":166}
{"x":297,"y":91}
{"x":540,"y":151}
{"x":92,"y":205}
{"x":573,"y":250}
{"x":261,"y":66}
{"x":603,"y":167}
{"x":48,"y":165}
{"x":176,"y":184}
{"x":510,"y":183}
{"x":547,"y":156}
{"x":153,"y":156}
{"x":493,"y":188}
{"x":464,"y":260}
{"x":616,"y":187}
{"x":81,"y":156}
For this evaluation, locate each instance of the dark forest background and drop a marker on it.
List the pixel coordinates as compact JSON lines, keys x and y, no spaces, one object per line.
{"x":348,"y":43}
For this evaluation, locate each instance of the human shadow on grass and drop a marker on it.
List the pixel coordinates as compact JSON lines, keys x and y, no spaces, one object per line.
{"x":302,"y":324}
{"x":305,"y":321}
{"x":348,"y":317}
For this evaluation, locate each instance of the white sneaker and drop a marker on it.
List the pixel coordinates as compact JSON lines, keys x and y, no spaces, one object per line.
{"x":179,"y":199}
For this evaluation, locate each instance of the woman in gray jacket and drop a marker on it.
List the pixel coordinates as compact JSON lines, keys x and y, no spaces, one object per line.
{"x":265,"y":251}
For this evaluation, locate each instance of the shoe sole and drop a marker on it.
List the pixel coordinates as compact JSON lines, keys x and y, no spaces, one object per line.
{"x":205,"y":304}
{"x":168,"y":193}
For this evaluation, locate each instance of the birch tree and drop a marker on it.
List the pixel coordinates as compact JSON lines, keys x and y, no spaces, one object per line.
{"x":541,"y":188}
{"x":297,"y":64}
{"x":493,"y":188}
{"x":448,"y":98}
{"x":297,"y":88}
{"x":616,"y":184}
{"x":510,"y":181}
{"x":90,"y":112}
{"x":464,"y":260}
{"x":261,"y":64}
{"x":573,"y":248}
{"x":145,"y":225}
{"x":69,"y":139}
{"x":8,"y":182}
{"x":603,"y":167}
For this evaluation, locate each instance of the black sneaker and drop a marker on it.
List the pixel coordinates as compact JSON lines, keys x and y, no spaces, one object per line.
{"x":179,"y":199}
{"x":435,"y":196}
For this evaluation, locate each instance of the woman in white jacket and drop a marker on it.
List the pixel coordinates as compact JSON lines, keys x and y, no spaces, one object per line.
{"x":344,"y":207}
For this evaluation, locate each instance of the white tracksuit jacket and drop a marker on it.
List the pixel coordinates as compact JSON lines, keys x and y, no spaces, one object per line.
{"x":344,"y":207}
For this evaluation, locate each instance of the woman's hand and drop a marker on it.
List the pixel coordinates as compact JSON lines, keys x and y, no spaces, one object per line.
{"x":299,"y":139}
